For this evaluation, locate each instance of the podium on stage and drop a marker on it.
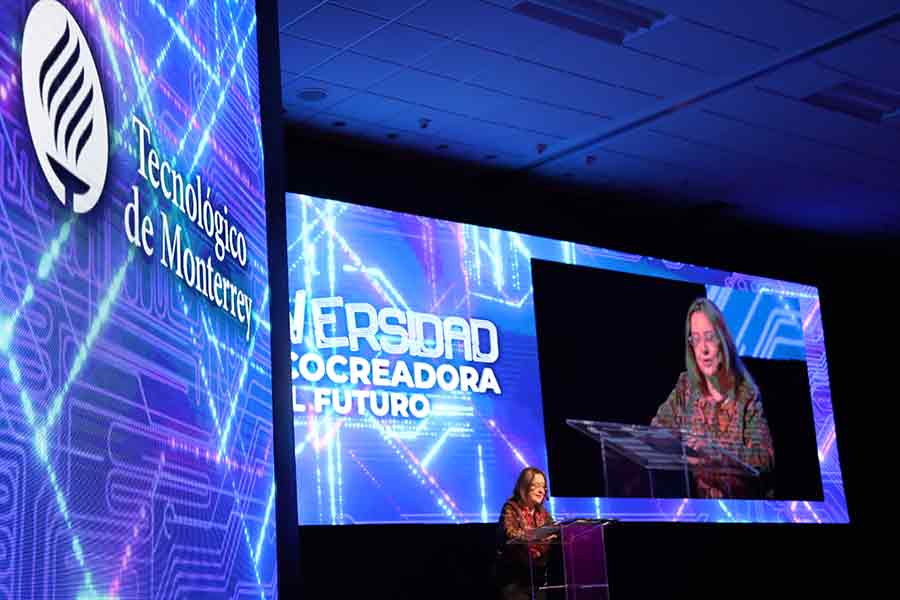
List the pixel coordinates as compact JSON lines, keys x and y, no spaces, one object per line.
{"x":567,"y":560}
{"x":658,"y":462}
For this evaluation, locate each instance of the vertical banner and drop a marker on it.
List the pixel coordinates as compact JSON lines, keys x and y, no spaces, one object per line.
{"x":135,"y":390}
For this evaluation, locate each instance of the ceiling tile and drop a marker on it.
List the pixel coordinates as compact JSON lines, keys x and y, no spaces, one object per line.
{"x":354,"y":70}
{"x":335,"y":26}
{"x":389,"y":9}
{"x":299,"y":55}
{"x":619,"y":65}
{"x":399,"y":43}
{"x":369,"y":107}
{"x":854,"y":12}
{"x":528,"y":80}
{"x":290,"y":10}
{"x":892,"y":32}
{"x":450,"y":18}
{"x":775,"y":23}
{"x":872,"y":57}
{"x":461,"y":60}
{"x":749,"y":141}
{"x":287,"y":77}
{"x":438,"y":92}
{"x":798,"y":118}
{"x":509,"y":32}
{"x":757,"y":134}
{"x":704,"y":48}
{"x":771,"y":111}
{"x":556,"y":122}
{"x":800,"y":80}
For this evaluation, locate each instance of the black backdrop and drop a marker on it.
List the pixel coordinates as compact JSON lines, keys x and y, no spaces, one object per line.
{"x":784,"y":388}
{"x":645,"y":560}
{"x":610,"y":350}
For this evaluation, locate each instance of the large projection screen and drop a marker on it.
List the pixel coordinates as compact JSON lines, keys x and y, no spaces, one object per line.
{"x":433,"y":360}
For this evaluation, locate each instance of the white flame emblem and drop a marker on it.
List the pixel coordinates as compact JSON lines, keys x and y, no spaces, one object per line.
{"x":64,"y":105}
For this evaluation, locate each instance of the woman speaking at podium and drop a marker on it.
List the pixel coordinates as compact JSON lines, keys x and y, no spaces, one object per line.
{"x":716,"y":401}
{"x":518,"y":565}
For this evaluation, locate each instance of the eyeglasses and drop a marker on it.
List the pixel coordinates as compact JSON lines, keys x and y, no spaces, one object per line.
{"x":709,"y":337}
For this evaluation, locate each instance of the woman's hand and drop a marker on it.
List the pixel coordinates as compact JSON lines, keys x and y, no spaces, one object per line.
{"x":697,"y":444}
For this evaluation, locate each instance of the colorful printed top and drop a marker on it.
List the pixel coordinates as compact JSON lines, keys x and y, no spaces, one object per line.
{"x":736,"y":422}
{"x":515,"y":521}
